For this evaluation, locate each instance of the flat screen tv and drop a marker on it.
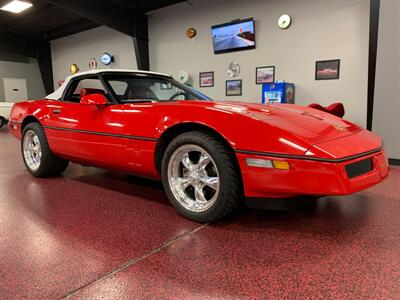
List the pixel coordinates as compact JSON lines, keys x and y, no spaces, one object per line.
{"x":234,"y":36}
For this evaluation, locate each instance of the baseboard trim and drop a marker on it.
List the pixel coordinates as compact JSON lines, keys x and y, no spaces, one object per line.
{"x":394,"y":161}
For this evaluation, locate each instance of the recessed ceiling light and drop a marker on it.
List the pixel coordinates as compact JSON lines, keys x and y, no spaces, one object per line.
{"x":16,"y":6}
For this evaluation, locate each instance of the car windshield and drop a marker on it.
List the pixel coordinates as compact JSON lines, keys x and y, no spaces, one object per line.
{"x":129,"y":88}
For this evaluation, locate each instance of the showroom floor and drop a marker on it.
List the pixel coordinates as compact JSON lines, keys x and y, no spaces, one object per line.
{"x":93,"y":234}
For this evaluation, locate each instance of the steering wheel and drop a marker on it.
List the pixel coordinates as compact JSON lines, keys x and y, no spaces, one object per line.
{"x":177,"y":94}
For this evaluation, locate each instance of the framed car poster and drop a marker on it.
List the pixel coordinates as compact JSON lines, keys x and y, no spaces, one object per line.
{"x":233,"y":87}
{"x":327,"y":69}
{"x":206,"y":79}
{"x":265,"y":75}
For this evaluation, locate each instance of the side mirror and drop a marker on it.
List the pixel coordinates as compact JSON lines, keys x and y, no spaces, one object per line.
{"x":94,"y":99}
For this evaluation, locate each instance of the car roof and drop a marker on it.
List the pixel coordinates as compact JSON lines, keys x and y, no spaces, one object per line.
{"x":99,"y":71}
{"x":57,"y":94}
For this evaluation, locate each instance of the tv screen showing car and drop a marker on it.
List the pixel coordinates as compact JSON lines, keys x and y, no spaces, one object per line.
{"x":234,"y":36}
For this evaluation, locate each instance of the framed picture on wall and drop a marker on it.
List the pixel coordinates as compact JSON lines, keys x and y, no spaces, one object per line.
{"x":206,"y":79}
{"x":233,"y":87}
{"x":327,"y":69}
{"x":265,"y":74}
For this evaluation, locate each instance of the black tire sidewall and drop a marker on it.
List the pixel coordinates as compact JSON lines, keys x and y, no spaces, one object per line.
{"x":36,"y":128}
{"x":214,"y":149}
{"x":50,"y":164}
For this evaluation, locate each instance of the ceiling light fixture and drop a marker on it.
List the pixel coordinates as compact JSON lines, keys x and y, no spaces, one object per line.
{"x":16,"y":6}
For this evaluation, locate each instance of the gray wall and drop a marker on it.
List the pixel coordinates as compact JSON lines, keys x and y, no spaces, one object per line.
{"x":80,"y":48}
{"x":29,"y":71}
{"x":321,"y":29}
{"x":386,"y":120}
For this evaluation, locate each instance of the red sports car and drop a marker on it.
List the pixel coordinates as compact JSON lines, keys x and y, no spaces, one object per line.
{"x":210,"y":155}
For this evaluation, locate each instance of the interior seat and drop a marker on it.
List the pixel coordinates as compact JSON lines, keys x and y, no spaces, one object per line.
{"x":141,"y":92}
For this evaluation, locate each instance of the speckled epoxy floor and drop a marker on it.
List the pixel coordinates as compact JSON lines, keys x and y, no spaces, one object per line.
{"x":94,"y":234}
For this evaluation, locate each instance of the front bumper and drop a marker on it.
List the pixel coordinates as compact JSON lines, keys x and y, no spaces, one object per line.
{"x":309,"y":177}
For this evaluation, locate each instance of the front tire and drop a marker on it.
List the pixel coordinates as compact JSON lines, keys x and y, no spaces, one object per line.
{"x":36,"y":153}
{"x":2,"y":121}
{"x":200,"y":177}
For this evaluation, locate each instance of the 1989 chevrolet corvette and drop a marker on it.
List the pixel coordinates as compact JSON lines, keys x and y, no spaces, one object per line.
{"x":209,"y":155}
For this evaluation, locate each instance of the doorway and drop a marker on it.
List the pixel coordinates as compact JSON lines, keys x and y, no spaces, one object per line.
{"x":15,"y":90}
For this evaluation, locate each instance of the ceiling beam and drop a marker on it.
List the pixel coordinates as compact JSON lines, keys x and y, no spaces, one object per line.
{"x":18,"y":44}
{"x":116,"y":17}
{"x":146,"y":6}
{"x":101,"y":12}
{"x":68,"y":29}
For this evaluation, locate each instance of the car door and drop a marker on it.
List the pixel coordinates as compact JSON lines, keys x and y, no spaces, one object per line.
{"x":140,"y":121}
{"x":144,"y":100}
{"x":141,"y":125}
{"x":87,"y":133}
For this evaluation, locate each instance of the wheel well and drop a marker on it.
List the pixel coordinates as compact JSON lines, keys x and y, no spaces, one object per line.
{"x":27,"y":120}
{"x":176,"y":130}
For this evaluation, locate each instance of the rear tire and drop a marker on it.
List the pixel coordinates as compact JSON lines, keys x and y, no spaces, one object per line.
{"x":200,"y":177}
{"x":36,"y":153}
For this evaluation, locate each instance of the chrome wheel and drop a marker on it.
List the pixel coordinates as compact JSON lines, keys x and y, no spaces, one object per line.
{"x":32,"y":150}
{"x":193,"y":178}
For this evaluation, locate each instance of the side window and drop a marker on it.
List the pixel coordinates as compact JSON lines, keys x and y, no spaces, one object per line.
{"x":119,"y":87}
{"x":165,"y":91}
{"x":84,"y":86}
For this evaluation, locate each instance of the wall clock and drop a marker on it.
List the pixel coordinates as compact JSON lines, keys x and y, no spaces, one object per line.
{"x":233,"y":70}
{"x":284,"y":21}
{"x":106,"y":59}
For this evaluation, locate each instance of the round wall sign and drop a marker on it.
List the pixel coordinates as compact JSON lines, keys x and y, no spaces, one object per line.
{"x":191,"y":33}
{"x":106,"y":59}
{"x":284,"y":21}
{"x":73,"y":69}
{"x":92,"y":64}
{"x":184,"y":77}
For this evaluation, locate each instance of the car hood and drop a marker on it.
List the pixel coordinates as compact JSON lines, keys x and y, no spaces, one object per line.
{"x":275,"y":128}
{"x":310,"y":125}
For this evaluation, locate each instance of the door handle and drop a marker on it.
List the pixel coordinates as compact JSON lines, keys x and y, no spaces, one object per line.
{"x":56,"y":111}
